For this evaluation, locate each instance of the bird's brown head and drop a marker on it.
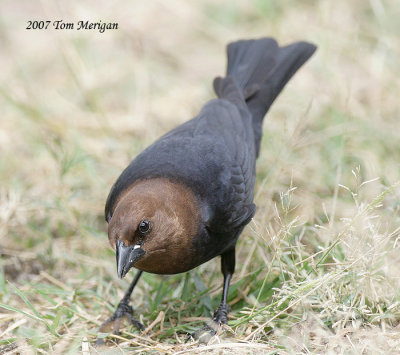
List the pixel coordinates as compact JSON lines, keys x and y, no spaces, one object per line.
{"x":153,"y":226}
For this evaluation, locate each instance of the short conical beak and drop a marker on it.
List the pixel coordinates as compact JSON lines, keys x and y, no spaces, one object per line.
{"x":127,"y":256}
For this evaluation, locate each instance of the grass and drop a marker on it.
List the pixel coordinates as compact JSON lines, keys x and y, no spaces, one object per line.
{"x":317,"y":268}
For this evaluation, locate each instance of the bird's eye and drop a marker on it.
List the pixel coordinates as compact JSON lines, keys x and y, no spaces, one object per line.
{"x":144,"y":226}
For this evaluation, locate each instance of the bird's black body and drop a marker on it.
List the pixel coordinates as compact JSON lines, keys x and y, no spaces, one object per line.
{"x":214,"y":154}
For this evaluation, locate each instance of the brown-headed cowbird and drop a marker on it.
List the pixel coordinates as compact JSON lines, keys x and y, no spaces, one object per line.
{"x":187,"y":197}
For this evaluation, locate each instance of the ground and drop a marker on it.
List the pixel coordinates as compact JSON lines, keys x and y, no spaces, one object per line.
{"x":317,"y":268}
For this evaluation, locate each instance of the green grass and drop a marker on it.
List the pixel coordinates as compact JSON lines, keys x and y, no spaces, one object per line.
{"x":317,"y":268}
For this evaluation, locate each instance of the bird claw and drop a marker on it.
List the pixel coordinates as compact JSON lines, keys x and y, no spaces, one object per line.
{"x":221,"y":314}
{"x":204,"y":334}
{"x":124,"y":310}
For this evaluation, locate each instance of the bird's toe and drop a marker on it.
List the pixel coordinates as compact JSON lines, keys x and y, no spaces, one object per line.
{"x":204,"y":334}
{"x":123,"y":312}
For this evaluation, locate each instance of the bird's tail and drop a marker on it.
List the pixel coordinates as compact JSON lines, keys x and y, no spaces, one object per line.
{"x":260,"y":68}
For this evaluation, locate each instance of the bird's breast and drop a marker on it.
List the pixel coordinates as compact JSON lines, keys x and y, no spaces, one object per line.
{"x":163,"y":261}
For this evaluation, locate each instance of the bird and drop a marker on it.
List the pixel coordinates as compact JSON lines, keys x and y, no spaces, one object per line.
{"x":187,"y":197}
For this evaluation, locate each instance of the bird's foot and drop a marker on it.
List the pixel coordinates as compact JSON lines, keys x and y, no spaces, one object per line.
{"x":123,"y":311}
{"x":204,"y":334}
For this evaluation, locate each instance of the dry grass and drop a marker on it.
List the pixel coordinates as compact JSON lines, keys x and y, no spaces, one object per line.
{"x":317,"y":268}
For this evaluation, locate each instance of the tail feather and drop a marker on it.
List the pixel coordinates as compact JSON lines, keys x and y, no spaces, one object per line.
{"x":261,"y":69}
{"x":289,"y":59}
{"x":250,"y":60}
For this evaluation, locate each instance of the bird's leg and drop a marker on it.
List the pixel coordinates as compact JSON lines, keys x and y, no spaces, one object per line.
{"x":123,"y":310}
{"x":220,"y":316}
{"x":228,"y":268}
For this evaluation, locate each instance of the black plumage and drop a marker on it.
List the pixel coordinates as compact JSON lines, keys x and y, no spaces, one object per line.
{"x":213,"y":157}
